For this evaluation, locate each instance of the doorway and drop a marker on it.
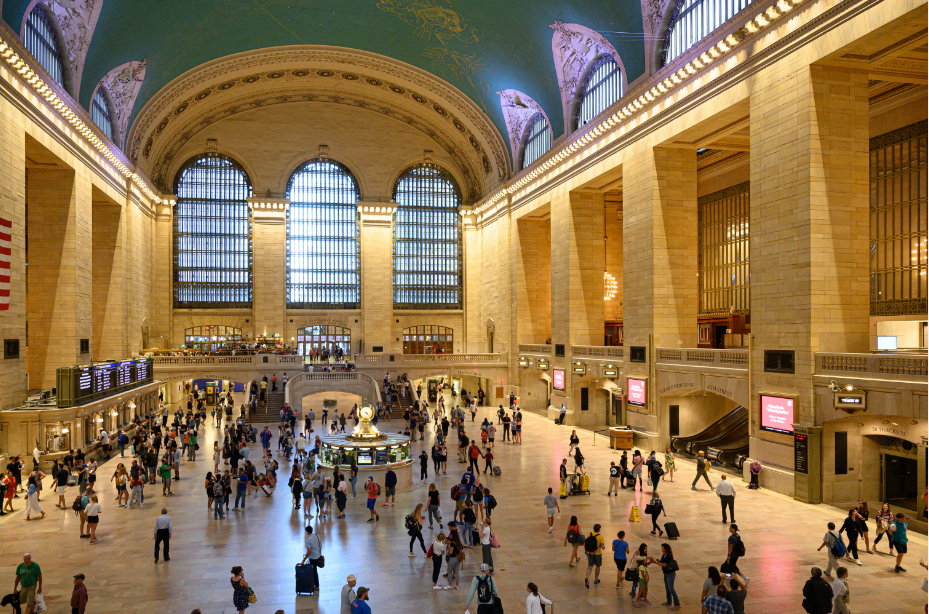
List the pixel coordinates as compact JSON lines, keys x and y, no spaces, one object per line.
{"x":900,"y":484}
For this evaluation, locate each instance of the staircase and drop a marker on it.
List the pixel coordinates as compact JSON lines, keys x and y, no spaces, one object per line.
{"x":271,"y":413}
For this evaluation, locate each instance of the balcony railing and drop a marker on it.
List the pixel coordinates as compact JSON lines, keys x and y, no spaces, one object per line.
{"x":725,"y":359}
{"x":606,"y":352}
{"x":889,"y":366}
{"x":428,"y":359}
{"x":535,"y":349}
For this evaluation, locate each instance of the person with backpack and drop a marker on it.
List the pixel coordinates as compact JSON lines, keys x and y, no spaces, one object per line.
{"x":593,"y":548}
{"x":836,"y":548}
{"x":573,"y":537}
{"x":485,"y":588}
{"x":655,"y":508}
{"x":414,"y":528}
{"x":703,"y":471}
{"x":655,"y":470}
{"x":736,"y":551}
{"x":373,"y":491}
{"x":218,"y":490}
{"x":489,"y":502}
{"x":817,"y":594}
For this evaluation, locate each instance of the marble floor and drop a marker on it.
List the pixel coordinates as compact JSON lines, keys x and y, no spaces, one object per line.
{"x":781,"y":537}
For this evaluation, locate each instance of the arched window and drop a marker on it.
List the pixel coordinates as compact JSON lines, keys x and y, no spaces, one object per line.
{"x":694,"y":19}
{"x":319,"y":340}
{"x":212,"y":234}
{"x":101,"y":113}
{"x":537,"y":141}
{"x":428,"y":339}
{"x":427,"y":240}
{"x":323,"y":264}
{"x":42,"y":43}
{"x":603,"y":87}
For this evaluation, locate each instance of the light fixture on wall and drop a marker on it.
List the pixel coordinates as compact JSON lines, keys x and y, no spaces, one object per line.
{"x":610,"y":286}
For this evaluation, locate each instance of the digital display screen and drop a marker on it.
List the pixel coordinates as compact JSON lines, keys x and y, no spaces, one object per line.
{"x":558,"y":379}
{"x":886,"y":344}
{"x":365,"y":457}
{"x":636,"y":392}
{"x":91,"y":382}
{"x":777,"y":414}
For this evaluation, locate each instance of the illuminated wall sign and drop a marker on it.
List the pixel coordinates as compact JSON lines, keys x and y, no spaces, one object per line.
{"x":636,"y":392}
{"x":523,"y":362}
{"x":558,"y":379}
{"x":580,"y":369}
{"x":777,"y":414}
{"x":609,"y":373}
{"x":850,"y":400}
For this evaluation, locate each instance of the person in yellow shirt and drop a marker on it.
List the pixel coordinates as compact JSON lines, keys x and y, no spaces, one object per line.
{"x":593,"y":548}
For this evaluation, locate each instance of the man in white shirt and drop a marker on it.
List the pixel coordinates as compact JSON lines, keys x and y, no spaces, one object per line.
{"x":840,"y":591}
{"x":725,"y":490}
{"x":301,"y":446}
{"x":105,"y":442}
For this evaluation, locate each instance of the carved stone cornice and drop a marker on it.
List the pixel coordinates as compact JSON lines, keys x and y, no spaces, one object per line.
{"x":267,"y":210}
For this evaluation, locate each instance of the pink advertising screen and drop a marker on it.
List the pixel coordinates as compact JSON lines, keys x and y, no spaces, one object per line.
{"x":777,"y":414}
{"x":558,"y":379}
{"x":636,"y":392}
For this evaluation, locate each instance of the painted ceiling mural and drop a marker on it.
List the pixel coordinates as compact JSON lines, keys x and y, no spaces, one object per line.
{"x":77,"y":19}
{"x":479,"y":46}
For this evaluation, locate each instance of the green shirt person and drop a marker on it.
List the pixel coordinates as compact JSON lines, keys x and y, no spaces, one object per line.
{"x":28,"y":581}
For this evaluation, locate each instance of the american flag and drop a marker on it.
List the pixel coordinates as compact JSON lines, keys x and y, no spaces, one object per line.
{"x":6,"y":248}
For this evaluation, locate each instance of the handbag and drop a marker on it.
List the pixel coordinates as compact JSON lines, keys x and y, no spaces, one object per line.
{"x":321,"y":561}
{"x":649,"y":509}
{"x":252,"y":598}
{"x":494,"y":542}
{"x":631,"y":575}
{"x":672,"y":566}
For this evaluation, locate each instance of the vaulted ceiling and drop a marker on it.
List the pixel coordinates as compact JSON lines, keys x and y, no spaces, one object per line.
{"x":478,"y":46}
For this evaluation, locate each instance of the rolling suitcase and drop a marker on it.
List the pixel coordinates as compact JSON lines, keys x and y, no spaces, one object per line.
{"x":671,"y":529}
{"x":304,"y":574}
{"x":497,"y":470}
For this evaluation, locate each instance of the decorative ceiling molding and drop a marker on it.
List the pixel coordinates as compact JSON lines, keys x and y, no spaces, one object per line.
{"x":177,"y":133}
{"x":518,"y":110}
{"x":410,"y":94}
{"x":77,"y":20}
{"x":123,"y":84}
{"x":574,"y":49}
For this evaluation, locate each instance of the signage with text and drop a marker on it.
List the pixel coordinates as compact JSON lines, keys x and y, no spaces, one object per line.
{"x":777,"y":414}
{"x":636,"y":392}
{"x":558,"y":379}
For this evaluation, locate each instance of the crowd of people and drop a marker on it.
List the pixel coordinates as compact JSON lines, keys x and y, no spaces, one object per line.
{"x":245,"y":465}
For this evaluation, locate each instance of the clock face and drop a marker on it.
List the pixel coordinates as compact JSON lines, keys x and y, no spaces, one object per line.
{"x":366,"y":413}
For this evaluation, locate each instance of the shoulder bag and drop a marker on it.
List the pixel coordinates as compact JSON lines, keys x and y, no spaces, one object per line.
{"x":494,"y":542}
{"x":321,"y":561}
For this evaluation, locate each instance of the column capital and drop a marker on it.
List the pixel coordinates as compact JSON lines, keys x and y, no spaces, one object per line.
{"x":376,"y":213}
{"x":267,"y":210}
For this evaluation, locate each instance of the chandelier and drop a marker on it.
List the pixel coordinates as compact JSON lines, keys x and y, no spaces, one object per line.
{"x":610,"y":286}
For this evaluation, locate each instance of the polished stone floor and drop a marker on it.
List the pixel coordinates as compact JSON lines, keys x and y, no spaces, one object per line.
{"x":781,"y":536}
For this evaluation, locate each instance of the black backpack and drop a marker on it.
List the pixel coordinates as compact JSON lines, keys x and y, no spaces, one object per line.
{"x":491,"y":502}
{"x":484,"y":594}
{"x":740,"y":548}
{"x":572,"y":536}
{"x":590,"y":544}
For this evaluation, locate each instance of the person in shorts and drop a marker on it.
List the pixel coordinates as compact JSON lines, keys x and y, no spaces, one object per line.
{"x":371,"y":489}
{"x":28,"y":583}
{"x":620,"y":556}
{"x":594,"y":557}
{"x":390,"y":486}
{"x":551,"y":505}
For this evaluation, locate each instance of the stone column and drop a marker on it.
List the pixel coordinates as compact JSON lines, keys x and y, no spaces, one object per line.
{"x":809,"y":230}
{"x":59,"y":304}
{"x":269,"y":264}
{"x":377,"y":306}
{"x":577,"y":263}
{"x":474,"y":336}
{"x":161,"y":331}
{"x":110,"y":282}
{"x":533,"y":281}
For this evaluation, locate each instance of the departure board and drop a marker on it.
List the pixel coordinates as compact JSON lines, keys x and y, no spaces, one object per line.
{"x":83,"y":383}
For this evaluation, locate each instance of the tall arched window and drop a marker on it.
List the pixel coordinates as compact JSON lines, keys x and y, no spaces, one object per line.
{"x":603,"y":87}
{"x":323,"y":264}
{"x":537,"y":141}
{"x":427,"y":240}
{"x":101,"y":112}
{"x":212,"y":234}
{"x":694,"y":19}
{"x":42,"y":43}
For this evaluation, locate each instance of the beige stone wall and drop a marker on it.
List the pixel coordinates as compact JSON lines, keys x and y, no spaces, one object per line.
{"x":534,"y":280}
{"x":109,"y":283}
{"x":613,"y":235}
{"x":269,"y":273}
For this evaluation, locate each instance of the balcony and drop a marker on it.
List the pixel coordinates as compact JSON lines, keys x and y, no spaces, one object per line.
{"x":540,"y":350}
{"x":900,"y":367}
{"x":603,"y":352}
{"x":720,"y":359}
{"x":425,"y":360}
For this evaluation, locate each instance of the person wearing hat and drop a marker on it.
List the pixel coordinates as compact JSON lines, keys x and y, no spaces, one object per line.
{"x":359,"y":605}
{"x":79,"y":595}
{"x":485,"y":588}
{"x":348,"y":595}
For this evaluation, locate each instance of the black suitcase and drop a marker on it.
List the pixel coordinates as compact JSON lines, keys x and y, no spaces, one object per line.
{"x":475,"y":538}
{"x":304,"y":574}
{"x":671,"y":529}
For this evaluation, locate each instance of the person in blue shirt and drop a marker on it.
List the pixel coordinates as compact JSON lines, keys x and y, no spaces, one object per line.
{"x":620,"y":555}
{"x":899,"y":540}
{"x":468,"y":479}
{"x":241,"y":490}
{"x":266,"y":439}
{"x":360,"y":605}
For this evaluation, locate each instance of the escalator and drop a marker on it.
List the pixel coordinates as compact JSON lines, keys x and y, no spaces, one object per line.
{"x":732,"y":450}
{"x":718,"y":432}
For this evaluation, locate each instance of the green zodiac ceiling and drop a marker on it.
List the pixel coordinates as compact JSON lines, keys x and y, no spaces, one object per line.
{"x":479,"y":46}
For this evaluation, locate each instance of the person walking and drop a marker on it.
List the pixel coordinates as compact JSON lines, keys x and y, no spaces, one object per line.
{"x":850,"y":528}
{"x":899,"y":539}
{"x":883,"y":520}
{"x":437,"y":548}
{"x":59,"y":484}
{"x":725,"y":490}
{"x":414,"y":526}
{"x":840,"y":594}
{"x":79,"y":595}
{"x":240,"y":590}
{"x":703,"y":471}
{"x":486,"y":548}
{"x":861,"y":520}
{"x":390,"y":485}
{"x":573,"y":442}
{"x":573,"y":537}
{"x":654,"y":470}
{"x":669,"y":572}
{"x":615,"y":473}
{"x":817,"y":594}
{"x":669,"y":464}
{"x":360,"y":604}
{"x":736,"y":593}
{"x":93,"y":510}
{"x":455,"y":556}
{"x":348,"y":594}
{"x":593,"y":548}
{"x":373,"y":490}
{"x":535,"y":602}
{"x":639,"y":558}
{"x":551,"y":506}
{"x":485,"y":588}
{"x":432,"y":509}
{"x":32,"y":499}
{"x":28,"y":583}
{"x":314,"y":550}
{"x":620,"y":557}
{"x":655,"y":508}
{"x":637,"y":462}
{"x":832,"y":540}
{"x":736,"y":549}
{"x":162,"y":534}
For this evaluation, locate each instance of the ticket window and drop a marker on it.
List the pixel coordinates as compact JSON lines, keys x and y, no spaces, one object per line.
{"x":57,"y":437}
